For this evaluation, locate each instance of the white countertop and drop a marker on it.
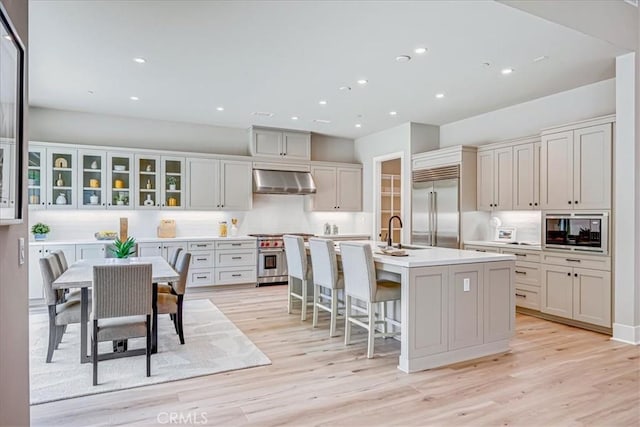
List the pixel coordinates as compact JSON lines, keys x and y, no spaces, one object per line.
{"x":139,"y":240}
{"x":432,"y":256}
{"x":524,"y":247}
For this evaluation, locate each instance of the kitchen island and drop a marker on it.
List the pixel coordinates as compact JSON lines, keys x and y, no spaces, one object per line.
{"x":456,"y":305}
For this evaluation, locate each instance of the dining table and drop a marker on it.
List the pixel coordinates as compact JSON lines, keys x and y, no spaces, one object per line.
{"x":80,"y":275}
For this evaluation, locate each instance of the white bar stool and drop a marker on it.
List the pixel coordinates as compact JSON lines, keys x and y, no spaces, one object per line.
{"x":298,"y":268}
{"x":327,"y":280}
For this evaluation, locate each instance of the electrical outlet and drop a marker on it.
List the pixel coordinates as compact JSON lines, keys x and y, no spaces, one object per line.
{"x":21,"y":250}
{"x":466,"y":284}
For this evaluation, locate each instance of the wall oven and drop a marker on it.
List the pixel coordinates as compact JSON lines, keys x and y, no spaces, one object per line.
{"x":579,"y":232}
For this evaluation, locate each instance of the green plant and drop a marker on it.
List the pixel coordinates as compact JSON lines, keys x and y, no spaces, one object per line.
{"x":171,"y":180}
{"x":124,"y":249}
{"x":40,"y":228}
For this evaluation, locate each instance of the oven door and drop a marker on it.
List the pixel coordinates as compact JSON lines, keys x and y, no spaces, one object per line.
{"x":271,"y":263}
{"x":577,"y":232}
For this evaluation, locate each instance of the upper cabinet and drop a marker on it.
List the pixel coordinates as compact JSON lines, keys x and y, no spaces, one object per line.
{"x":495,"y":179}
{"x":281,"y":144}
{"x":575,"y":169}
{"x":148,"y":171}
{"x":173,"y":187}
{"x":92,"y":179}
{"x":7,"y":176}
{"x":61,"y":177}
{"x":526,"y":176}
{"x":337,"y":188}
{"x":37,"y":177}
{"x":219,"y":184}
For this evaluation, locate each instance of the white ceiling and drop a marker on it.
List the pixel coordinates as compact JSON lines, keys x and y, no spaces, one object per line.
{"x":284,"y":56}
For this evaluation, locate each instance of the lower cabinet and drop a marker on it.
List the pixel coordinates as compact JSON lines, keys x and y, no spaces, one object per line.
{"x":36,"y":252}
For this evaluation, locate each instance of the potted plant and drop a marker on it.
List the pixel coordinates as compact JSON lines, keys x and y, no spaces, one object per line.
{"x":40,"y":231}
{"x":172,"y":181}
{"x":124,"y":249}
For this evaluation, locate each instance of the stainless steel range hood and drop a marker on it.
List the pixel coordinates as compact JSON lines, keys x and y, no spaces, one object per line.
{"x":282,"y":182}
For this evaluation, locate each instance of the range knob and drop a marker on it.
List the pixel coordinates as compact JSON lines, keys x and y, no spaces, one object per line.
{"x":266,"y":244}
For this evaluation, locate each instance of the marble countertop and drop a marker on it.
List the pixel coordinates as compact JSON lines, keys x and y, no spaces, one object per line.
{"x":533,"y":246}
{"x":139,"y":240}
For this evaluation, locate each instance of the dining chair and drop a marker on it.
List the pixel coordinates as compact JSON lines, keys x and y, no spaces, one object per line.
{"x":327,"y":280}
{"x":167,"y":288}
{"x":171,"y":303}
{"x":61,"y":312}
{"x":298,"y":268}
{"x":360,"y":283}
{"x":121,"y":308}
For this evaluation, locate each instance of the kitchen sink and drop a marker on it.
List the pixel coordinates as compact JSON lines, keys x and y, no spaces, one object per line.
{"x":413,"y":248}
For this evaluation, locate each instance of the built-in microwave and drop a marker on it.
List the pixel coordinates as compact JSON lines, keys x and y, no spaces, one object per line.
{"x":580,"y":232}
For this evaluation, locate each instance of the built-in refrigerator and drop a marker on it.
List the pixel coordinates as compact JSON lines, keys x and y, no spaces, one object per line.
{"x":435,"y":208}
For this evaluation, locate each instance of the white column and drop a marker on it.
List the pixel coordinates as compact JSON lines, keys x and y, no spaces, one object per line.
{"x":626,"y":167}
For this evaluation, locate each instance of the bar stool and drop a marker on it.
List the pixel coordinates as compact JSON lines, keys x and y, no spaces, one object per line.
{"x":327,"y":277}
{"x":298,"y":268}
{"x":360,"y":282}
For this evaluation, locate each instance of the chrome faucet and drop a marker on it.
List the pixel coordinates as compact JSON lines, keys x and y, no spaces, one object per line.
{"x":390,"y":237}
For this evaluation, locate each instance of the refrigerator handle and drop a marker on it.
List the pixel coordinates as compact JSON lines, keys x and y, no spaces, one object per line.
{"x":435,"y":218}
{"x":430,"y":216}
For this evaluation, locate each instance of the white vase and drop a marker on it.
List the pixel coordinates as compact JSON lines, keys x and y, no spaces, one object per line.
{"x":172,"y":187}
{"x":61,"y":199}
{"x":148,"y":202}
{"x":94,"y":199}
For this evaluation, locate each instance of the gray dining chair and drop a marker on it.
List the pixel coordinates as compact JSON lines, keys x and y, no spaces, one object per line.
{"x":171,"y":303}
{"x":168,"y":288}
{"x":299,"y":271}
{"x":61,"y":312}
{"x":121,"y":308}
{"x":327,"y":280}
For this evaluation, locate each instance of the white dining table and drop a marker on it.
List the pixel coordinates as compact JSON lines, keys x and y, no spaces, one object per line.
{"x":80,"y":275}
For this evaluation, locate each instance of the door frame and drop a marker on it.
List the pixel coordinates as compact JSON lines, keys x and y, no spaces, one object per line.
{"x":377,"y":175}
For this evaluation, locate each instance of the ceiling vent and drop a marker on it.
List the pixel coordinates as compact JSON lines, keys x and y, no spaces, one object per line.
{"x":263,"y":114}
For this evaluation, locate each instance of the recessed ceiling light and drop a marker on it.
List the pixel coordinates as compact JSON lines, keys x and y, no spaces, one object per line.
{"x":294,"y":117}
{"x":403,"y":58}
{"x":90,"y":92}
{"x":363,"y":82}
{"x":263,"y":114}
{"x":134,"y":98}
{"x":358,"y":125}
{"x":322,"y":121}
{"x":7,"y":37}
{"x":345,"y":88}
{"x":322,"y":102}
{"x":139,"y":60}
{"x":393,"y":113}
{"x":420,"y":50}
{"x":540,"y":58}
{"x":507,"y":71}
{"x":220,"y":108}
{"x":439,"y":95}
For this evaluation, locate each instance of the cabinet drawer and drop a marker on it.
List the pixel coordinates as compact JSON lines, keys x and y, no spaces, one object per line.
{"x":228,"y":276}
{"x":482,"y":248}
{"x":238,"y":257}
{"x":527,"y":273}
{"x":593,"y":262}
{"x":200,"y":278}
{"x":528,"y":297}
{"x":200,"y":246}
{"x":202,"y":259}
{"x":523,"y":255}
{"x":236,"y":244}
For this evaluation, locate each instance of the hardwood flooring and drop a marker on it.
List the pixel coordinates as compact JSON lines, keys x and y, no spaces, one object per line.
{"x":554,"y":375}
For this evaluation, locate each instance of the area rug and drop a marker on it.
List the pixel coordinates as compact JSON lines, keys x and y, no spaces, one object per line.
{"x":213,"y":344}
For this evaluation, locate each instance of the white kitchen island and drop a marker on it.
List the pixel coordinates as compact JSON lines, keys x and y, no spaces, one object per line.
{"x":456,"y":305}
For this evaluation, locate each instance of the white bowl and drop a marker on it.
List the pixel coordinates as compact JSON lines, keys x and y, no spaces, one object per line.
{"x":119,"y":167}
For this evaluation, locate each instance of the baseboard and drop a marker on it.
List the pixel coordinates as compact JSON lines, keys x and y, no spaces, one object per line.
{"x":627,"y":334}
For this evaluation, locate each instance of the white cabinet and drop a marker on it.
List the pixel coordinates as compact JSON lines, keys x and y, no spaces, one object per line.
{"x":495,"y":177}
{"x":337,"y":189}
{"x":92,"y":179}
{"x":526,"y":176}
{"x":37,"y":177}
{"x":281,"y":144}
{"x":173,"y":189}
{"x":120,"y":181}
{"x":61,"y":178}
{"x":90,"y":251}
{"x":219,"y":184}
{"x":150,"y":249}
{"x":148,"y":182}
{"x":235,"y":262}
{"x":165,"y":249}
{"x":575,"y":169}
{"x":7,"y":180}
{"x":37,"y":251}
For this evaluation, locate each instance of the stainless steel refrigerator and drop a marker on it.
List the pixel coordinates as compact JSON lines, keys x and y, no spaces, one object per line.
{"x":435,"y":211}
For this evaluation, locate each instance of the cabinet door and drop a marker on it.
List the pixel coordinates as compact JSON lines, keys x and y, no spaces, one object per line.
{"x":236,"y":192}
{"x":556,"y":171}
{"x":148,"y":183}
{"x":349,"y":189}
{"x":35,"y":275}
{"x":150,"y":249}
{"x":68,"y":250}
{"x":169,"y":249}
{"x":121,"y":181}
{"x":296,"y":146}
{"x":503,"y":179}
{"x":557,"y":291}
{"x":267,"y":143}
{"x":173,"y":183}
{"x":37,"y":177}
{"x":204,"y":186}
{"x":485,"y":181}
{"x":61,"y":178}
{"x":523,"y":177}
{"x":90,"y":251}
{"x":592,"y":296}
{"x":592,"y":167}
{"x":92,"y":185}
{"x":536,"y":175}
{"x":7,"y":178}
{"x":499,"y":301}
{"x":325,"y":179}
{"x":466,"y":306}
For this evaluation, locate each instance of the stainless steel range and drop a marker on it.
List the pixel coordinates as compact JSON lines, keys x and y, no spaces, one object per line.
{"x":272,"y":262}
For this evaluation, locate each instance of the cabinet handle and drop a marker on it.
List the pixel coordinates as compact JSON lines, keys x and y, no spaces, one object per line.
{"x":521,"y":272}
{"x":480,"y":250}
{"x":573,"y":260}
{"x":43,"y":203}
{"x":49,"y":203}
{"x":576,"y":274}
{"x":569,"y":274}
{"x":201,"y":246}
{"x":236,"y":257}
{"x":535,"y":204}
{"x":236,"y":244}
{"x":521,"y":295}
{"x":569,"y":201}
{"x":201,"y":259}
{"x":530,"y":204}
{"x":201,"y":277}
{"x":39,"y":251}
{"x":236,"y":275}
{"x":575,"y":203}
{"x":517,"y":254}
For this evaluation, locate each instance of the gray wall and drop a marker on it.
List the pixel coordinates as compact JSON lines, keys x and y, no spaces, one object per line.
{"x":51,"y":125}
{"x":14,"y":306}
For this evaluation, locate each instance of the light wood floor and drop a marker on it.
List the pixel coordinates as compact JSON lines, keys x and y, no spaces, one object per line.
{"x":554,"y":375}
